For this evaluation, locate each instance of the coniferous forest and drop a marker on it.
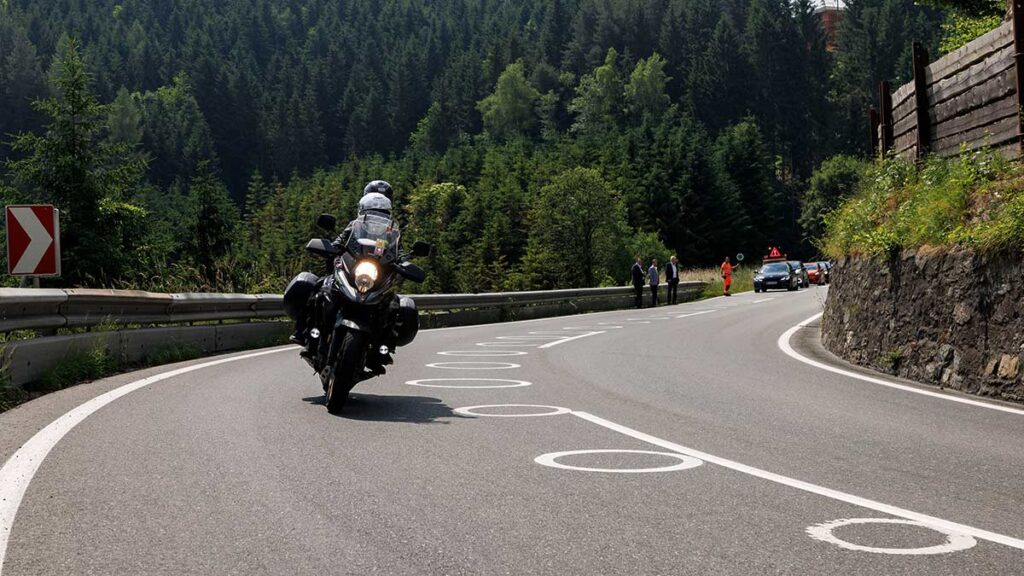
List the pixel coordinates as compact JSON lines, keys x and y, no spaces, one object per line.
{"x":536,"y":143}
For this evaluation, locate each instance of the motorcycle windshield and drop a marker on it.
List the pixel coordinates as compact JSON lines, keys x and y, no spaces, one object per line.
{"x":375,"y":236}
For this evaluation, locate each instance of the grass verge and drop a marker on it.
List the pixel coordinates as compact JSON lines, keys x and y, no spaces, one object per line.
{"x":742,"y":280}
{"x":974,"y":201}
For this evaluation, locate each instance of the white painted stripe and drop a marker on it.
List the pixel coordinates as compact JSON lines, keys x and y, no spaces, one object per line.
{"x":762,"y":300}
{"x":785,"y":346}
{"x":697,"y":313}
{"x":932,"y":521}
{"x":22,"y":466}
{"x":570,"y":339}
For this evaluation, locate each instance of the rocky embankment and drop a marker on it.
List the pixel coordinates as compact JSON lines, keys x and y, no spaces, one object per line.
{"x":950,"y":317}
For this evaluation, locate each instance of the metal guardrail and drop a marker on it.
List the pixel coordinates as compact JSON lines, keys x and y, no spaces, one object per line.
{"x":50,"y":309}
{"x":130,"y":326}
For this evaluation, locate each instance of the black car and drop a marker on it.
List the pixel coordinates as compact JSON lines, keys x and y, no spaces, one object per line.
{"x":777,"y":275}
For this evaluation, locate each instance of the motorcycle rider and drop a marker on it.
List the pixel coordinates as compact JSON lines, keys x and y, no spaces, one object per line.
{"x":376,"y":199}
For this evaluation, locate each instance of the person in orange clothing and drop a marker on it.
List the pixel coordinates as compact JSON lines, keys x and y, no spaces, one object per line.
{"x":726,"y":276}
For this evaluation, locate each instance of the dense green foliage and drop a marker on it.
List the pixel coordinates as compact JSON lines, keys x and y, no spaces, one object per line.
{"x":976,"y":200}
{"x":835,"y":180}
{"x":216,"y":131}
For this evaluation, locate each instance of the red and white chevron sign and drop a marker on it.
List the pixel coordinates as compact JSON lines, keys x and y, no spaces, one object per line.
{"x":33,"y":240}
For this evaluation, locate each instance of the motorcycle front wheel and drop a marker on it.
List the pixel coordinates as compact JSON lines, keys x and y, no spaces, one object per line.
{"x":351,"y":358}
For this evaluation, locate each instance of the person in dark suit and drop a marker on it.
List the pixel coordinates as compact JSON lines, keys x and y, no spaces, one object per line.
{"x":638,"y":282}
{"x":672,"y":278}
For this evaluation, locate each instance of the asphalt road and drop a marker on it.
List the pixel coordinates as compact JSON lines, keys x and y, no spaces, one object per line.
{"x":762,"y":464}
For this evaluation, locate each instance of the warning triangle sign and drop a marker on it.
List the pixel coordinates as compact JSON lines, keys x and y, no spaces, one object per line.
{"x":774,"y":253}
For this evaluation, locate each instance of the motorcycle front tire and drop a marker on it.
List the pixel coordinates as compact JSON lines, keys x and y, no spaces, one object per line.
{"x":351,"y":359}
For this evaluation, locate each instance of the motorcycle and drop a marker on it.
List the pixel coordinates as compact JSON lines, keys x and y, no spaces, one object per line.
{"x":355,"y":317}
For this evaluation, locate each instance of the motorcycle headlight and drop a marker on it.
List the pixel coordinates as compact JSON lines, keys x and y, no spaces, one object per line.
{"x":366,"y":274}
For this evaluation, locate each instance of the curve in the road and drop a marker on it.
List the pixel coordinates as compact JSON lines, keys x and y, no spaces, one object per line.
{"x":787,"y":348}
{"x":21,"y":467}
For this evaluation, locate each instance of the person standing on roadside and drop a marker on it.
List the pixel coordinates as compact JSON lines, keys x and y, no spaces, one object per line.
{"x":653,"y":278}
{"x":726,"y":276}
{"x":638,"y":282}
{"x":672,"y":278}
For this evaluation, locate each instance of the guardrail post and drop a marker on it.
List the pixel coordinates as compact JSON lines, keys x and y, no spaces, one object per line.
{"x":921,"y":100}
{"x":885,"y":108}
{"x":874,"y":122}
{"x":1018,"y":66}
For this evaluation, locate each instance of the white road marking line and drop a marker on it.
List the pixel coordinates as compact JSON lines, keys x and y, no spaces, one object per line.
{"x":509,"y":383}
{"x":785,"y":346}
{"x":483,"y":353}
{"x":474,"y":365}
{"x":930,"y":521}
{"x":472,"y":411}
{"x":570,"y":339}
{"x":954,"y":542}
{"x":551,"y":460}
{"x":22,"y":466}
{"x":762,"y":300}
{"x":526,"y":337}
{"x":495,"y":344}
{"x":697,"y":313}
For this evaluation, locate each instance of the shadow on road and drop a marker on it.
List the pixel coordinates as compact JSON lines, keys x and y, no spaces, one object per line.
{"x":404,"y":409}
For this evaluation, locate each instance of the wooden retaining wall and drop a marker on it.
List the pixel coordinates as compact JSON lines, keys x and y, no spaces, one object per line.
{"x":967,"y":99}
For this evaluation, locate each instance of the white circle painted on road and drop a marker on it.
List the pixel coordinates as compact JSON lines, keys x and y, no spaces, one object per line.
{"x":483,"y":353}
{"x":474,"y":411}
{"x":955,"y":542}
{"x":502,"y":383}
{"x":474,"y":365}
{"x":551,"y":460}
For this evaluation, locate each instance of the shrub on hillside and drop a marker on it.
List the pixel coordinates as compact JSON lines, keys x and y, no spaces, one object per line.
{"x":974,"y":200}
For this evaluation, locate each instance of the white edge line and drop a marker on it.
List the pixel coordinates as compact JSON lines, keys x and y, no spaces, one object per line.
{"x":18,"y":471}
{"x":569,"y":339}
{"x":785,"y":346}
{"x":807,"y":486}
{"x":697,"y":313}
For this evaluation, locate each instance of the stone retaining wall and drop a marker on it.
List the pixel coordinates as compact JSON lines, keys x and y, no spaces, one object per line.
{"x":950,"y":317}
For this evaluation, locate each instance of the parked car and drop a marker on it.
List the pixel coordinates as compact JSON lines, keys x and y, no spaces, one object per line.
{"x":801,"y":271}
{"x":776,"y":275}
{"x":815,"y":273}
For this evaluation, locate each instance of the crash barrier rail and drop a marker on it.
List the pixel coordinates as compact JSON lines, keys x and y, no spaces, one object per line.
{"x":132,"y":326}
{"x":969,"y":98}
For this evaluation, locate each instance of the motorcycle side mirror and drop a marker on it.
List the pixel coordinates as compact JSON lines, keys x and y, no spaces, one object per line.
{"x":420,"y":248}
{"x":410,"y":271}
{"x":327,"y":222}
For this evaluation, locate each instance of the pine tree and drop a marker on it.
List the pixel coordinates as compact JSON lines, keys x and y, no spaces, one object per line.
{"x":88,"y":177}
{"x":213,"y":222}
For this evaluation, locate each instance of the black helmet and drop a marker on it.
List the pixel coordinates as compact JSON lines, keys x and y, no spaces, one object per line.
{"x":380,"y":187}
